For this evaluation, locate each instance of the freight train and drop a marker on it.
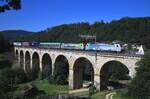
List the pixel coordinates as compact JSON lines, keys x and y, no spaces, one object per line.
{"x":72,"y":46}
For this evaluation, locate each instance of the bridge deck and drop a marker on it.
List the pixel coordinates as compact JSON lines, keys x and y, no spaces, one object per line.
{"x":94,"y":53}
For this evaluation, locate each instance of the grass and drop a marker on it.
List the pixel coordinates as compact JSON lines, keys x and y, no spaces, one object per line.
{"x":100,"y":95}
{"x":50,"y":89}
{"x":121,"y":94}
{"x":45,"y":86}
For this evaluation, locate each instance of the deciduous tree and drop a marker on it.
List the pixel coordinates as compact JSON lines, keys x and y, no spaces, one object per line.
{"x":9,"y":5}
{"x":140,"y":86}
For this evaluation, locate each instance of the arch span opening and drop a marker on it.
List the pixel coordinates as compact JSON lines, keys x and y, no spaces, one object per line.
{"x":16,"y":55}
{"x":35,"y":64}
{"x":61,"y":70}
{"x":46,"y":66}
{"x":21,"y":59}
{"x":83,"y":75}
{"x":27,"y":63}
{"x":112,"y":74}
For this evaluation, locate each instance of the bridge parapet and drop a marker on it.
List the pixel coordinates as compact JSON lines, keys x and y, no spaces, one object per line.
{"x":92,"y":53}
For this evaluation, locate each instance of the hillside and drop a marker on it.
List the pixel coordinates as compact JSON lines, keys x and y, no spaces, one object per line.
{"x":129,"y":30}
{"x":13,"y":35}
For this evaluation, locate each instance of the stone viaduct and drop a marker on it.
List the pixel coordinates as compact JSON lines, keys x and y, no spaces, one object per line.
{"x":30,"y":58}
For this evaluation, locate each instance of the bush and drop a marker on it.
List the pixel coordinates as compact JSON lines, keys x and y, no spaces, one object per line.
{"x":5,"y":63}
{"x":9,"y":77}
{"x":20,"y":76}
{"x":92,"y":90}
{"x":60,"y":79}
{"x":140,"y":85}
{"x":6,"y":79}
{"x":51,"y":80}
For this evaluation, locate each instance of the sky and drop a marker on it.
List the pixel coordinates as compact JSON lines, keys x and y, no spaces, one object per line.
{"x":37,"y":15}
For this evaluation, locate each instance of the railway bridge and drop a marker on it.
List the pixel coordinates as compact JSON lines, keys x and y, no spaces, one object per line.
{"x":46,"y":60}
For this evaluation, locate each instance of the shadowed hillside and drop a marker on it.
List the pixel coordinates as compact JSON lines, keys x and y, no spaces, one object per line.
{"x":129,"y":30}
{"x":13,"y":35}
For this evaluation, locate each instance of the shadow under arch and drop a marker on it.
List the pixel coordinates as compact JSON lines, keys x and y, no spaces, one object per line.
{"x":82,"y":71}
{"x":112,"y":70}
{"x":46,"y":66}
{"x":61,"y":69}
{"x":21,"y":59}
{"x":27,"y":63}
{"x":16,"y":53}
{"x":35,"y":65}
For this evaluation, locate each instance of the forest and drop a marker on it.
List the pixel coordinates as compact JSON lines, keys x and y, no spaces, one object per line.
{"x":5,"y":46}
{"x":127,"y":30}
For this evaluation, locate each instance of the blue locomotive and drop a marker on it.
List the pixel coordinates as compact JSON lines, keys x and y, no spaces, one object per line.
{"x":104,"y":47}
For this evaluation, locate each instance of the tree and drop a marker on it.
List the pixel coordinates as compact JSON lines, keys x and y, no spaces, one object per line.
{"x":9,"y":78}
{"x":6,"y":76}
{"x":140,"y":85}
{"x":10,"y":4}
{"x":4,"y":44}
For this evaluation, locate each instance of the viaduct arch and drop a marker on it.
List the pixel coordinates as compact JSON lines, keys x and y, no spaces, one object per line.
{"x":35,"y":64}
{"x":21,"y":59}
{"x":47,"y":60}
{"x":17,"y":55}
{"x":111,"y":69}
{"x":82,"y":70}
{"x":28,"y":63}
{"x":46,"y":65}
{"x":61,"y":69}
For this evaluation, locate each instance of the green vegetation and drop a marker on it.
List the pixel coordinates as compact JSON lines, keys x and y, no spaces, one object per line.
{"x":50,"y":89}
{"x":140,"y":85}
{"x":4,"y":44}
{"x":9,"y":78}
{"x":5,"y":63}
{"x":42,"y":87}
{"x":61,"y":71}
{"x":122,"y":94}
{"x":129,"y":30}
{"x":100,"y":95}
{"x":12,"y":35}
{"x":14,"y":82}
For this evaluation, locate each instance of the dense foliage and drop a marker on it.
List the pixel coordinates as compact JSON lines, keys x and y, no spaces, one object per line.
{"x":9,"y":5}
{"x":4,"y":44}
{"x":9,"y":76}
{"x":129,"y":30}
{"x":140,"y":86}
